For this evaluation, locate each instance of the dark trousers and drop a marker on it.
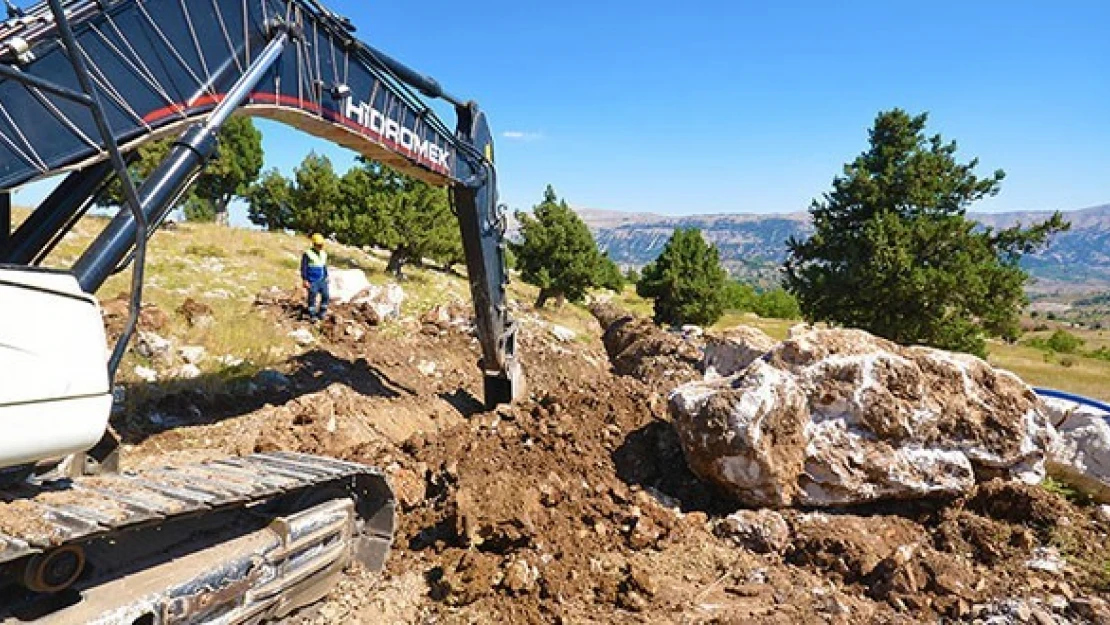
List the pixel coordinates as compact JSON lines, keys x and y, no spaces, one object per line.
{"x":320,"y":289}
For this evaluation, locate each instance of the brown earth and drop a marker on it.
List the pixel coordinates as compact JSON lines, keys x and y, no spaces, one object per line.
{"x":576,"y":505}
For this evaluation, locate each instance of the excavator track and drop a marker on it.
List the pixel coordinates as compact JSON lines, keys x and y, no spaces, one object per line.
{"x":234,"y":540}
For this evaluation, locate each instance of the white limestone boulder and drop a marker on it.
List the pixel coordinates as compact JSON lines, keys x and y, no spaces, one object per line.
{"x":835,"y":417}
{"x":732,"y":351}
{"x":1081,"y":455}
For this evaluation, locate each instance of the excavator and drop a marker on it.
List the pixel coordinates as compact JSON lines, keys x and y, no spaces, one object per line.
{"x":84,"y":84}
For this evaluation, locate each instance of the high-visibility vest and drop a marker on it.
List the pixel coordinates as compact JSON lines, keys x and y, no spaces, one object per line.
{"x":315,"y":265}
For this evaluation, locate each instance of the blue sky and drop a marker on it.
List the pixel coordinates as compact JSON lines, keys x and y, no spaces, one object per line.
{"x":683,"y":107}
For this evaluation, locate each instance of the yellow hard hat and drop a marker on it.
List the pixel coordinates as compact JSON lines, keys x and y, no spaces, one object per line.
{"x":317,"y":239}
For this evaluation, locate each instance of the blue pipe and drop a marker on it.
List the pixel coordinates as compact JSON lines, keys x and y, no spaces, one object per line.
{"x":1079,"y":399}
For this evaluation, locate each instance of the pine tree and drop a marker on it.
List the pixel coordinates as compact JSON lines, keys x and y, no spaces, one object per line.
{"x":686,"y":281}
{"x":315,"y":197}
{"x":409,"y":217}
{"x":557,"y":251}
{"x":228,"y":175}
{"x":894,"y":253}
{"x":270,"y":201}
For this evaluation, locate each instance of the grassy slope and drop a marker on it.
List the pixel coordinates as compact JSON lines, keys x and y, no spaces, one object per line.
{"x":225,"y":268}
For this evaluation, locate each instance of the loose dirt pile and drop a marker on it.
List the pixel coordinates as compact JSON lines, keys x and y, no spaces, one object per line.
{"x":576,"y":504}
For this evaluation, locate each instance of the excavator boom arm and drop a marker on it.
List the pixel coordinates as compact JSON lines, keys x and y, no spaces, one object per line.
{"x":166,"y":67}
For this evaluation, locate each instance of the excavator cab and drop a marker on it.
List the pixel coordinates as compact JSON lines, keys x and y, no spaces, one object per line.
{"x":83,"y":84}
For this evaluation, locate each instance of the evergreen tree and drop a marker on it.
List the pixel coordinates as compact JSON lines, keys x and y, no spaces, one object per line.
{"x":686,"y":281}
{"x":557,"y":251}
{"x":893,"y":252}
{"x":407,"y":216}
{"x":270,"y":201}
{"x":609,"y":275}
{"x":314,"y":198}
{"x":227,"y":175}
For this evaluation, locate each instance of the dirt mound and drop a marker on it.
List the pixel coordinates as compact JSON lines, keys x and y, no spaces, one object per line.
{"x":115,"y":312}
{"x":575,"y":505}
{"x":195,"y":313}
{"x":639,"y":348}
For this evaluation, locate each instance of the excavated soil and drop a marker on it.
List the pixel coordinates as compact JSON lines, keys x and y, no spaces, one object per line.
{"x":576,"y":505}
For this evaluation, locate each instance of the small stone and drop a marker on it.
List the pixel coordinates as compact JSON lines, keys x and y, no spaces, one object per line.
{"x":1092,"y":608}
{"x":192,"y":354}
{"x":1102,"y":513}
{"x":520,"y":576}
{"x":632,"y":601}
{"x":691,"y":331}
{"x":426,"y":367}
{"x":302,"y":336}
{"x":188,"y":372}
{"x":642,"y":580}
{"x":1046,"y":559}
{"x":228,"y":360}
{"x":562,"y":333}
{"x":1041,"y":617}
{"x":146,"y":374}
{"x":150,"y":345}
{"x":762,"y":531}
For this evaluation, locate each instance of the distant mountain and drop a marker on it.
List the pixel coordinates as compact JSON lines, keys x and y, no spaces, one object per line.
{"x":753,"y":246}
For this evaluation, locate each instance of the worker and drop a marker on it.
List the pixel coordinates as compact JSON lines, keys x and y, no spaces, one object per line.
{"x":314,"y":273}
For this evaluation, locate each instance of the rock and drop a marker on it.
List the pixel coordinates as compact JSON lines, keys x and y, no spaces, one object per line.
{"x":302,"y":336}
{"x":632,"y":601}
{"x":146,"y":374}
{"x":188,"y":371}
{"x":1081,"y":455}
{"x":197,"y":314}
{"x":437,"y":316}
{"x":345,"y":285}
{"x":116,"y":311}
{"x":730,"y":353}
{"x":641,"y":580}
{"x":410,"y":486}
{"x":426,"y":367}
{"x":1046,"y":559}
{"x":150,"y":345}
{"x":691,"y":331}
{"x":1102,"y":513}
{"x":834,"y":417}
{"x":520,"y":576}
{"x":228,"y":360}
{"x":191,"y":354}
{"x":388,"y":301}
{"x":270,"y":296}
{"x":562,"y":333}
{"x":1093,"y":609}
{"x":762,"y":531}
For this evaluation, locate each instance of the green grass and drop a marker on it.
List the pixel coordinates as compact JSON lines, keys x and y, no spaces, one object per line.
{"x":1087,"y":376}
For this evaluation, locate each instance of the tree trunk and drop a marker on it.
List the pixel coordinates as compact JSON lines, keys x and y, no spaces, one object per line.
{"x":223,"y":216}
{"x":542,"y":299}
{"x":397,"y":262}
{"x":546,"y":294}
